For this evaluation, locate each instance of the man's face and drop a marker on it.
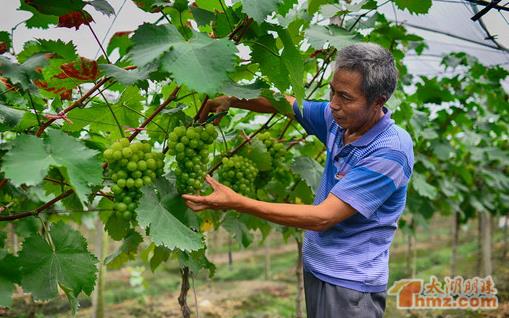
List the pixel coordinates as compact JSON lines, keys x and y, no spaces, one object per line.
{"x":349,"y":106}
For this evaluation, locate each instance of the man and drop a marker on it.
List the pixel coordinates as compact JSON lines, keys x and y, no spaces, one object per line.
{"x":362,"y":194}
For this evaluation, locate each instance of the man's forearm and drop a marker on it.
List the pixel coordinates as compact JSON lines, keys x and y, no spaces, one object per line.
{"x":259,"y":105}
{"x":296,"y":215}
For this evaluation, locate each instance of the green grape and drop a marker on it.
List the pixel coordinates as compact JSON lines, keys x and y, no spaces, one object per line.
{"x":127,"y":152}
{"x":117,"y":155}
{"x":132,"y":166}
{"x":121,"y":183}
{"x":108,"y":155}
{"x":127,"y":215}
{"x":129,"y":183}
{"x":138,"y":183}
{"x":120,"y":206}
{"x":151,"y":164}
{"x":142,"y":165}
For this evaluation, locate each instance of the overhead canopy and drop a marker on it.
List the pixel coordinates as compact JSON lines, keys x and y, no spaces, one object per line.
{"x":448,"y":28}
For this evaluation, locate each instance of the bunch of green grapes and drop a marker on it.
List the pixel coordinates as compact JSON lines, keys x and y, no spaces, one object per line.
{"x":276,"y":150}
{"x":190,"y":146}
{"x":130,"y":167}
{"x":280,"y":161}
{"x":239,"y":173}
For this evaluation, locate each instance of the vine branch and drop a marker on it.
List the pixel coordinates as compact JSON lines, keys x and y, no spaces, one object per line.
{"x":39,"y":209}
{"x":77,"y":103}
{"x":153,"y":115}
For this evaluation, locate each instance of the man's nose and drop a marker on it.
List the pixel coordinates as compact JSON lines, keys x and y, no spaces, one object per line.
{"x":334,"y":106}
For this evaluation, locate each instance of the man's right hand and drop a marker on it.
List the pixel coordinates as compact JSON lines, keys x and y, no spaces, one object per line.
{"x":216,"y":106}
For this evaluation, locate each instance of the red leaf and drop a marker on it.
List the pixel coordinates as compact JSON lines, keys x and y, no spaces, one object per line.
{"x":65,"y":94}
{"x":87,"y":70}
{"x":74,"y":19}
{"x":121,"y":33}
{"x":3,"y":47}
{"x":7,"y":84}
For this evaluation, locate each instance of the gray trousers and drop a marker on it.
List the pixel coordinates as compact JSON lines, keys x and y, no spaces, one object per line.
{"x":324,"y":300}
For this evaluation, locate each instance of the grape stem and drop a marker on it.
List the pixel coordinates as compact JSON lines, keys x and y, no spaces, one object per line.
{"x":39,"y":209}
{"x":157,"y":111}
{"x":246,"y":140}
{"x":203,"y":103}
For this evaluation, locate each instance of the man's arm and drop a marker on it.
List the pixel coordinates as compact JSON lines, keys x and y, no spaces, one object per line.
{"x":310,"y":217}
{"x":223,"y":103}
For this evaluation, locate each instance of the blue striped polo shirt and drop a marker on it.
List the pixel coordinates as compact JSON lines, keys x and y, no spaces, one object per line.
{"x":371,"y":174}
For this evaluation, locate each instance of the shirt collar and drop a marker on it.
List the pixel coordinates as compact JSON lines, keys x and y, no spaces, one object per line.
{"x":381,"y":125}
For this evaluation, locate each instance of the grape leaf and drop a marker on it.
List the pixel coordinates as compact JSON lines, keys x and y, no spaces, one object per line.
{"x":30,"y":158}
{"x":279,"y":102}
{"x":418,"y":7}
{"x":309,"y":170}
{"x":238,"y":229}
{"x":120,"y":41}
{"x":9,"y":274}
{"x":117,"y":226}
{"x":5,"y":42}
{"x":318,"y":36}
{"x":125,"y":252}
{"x":126,"y":77}
{"x":100,"y":118}
{"x":196,"y":260}
{"x":201,"y":16}
{"x":314,"y":5}
{"x":161,"y":254}
{"x":201,"y":63}
{"x":242,"y":91}
{"x":102,"y":6}
{"x":38,"y":20}
{"x":422,"y":187}
{"x":265,"y":54}
{"x":9,"y":117}
{"x":56,"y":7}
{"x":155,"y":213}
{"x":212,"y":6}
{"x":67,"y":263}
{"x":260,"y":9}
{"x":294,"y":62}
{"x":286,"y":6}
{"x":24,"y":73}
{"x":150,"y":41}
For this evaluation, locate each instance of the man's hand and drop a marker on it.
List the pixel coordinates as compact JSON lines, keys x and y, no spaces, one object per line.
{"x":216,"y":105}
{"x":222,"y":197}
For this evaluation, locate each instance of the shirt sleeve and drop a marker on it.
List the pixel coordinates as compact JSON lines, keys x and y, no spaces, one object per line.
{"x":373,"y":180}
{"x":313,"y":118}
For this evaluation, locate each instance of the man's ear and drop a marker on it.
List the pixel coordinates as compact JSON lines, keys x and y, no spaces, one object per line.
{"x":380,"y":101}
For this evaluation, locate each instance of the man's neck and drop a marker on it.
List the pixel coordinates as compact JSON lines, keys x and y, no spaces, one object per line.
{"x":350,"y":135}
